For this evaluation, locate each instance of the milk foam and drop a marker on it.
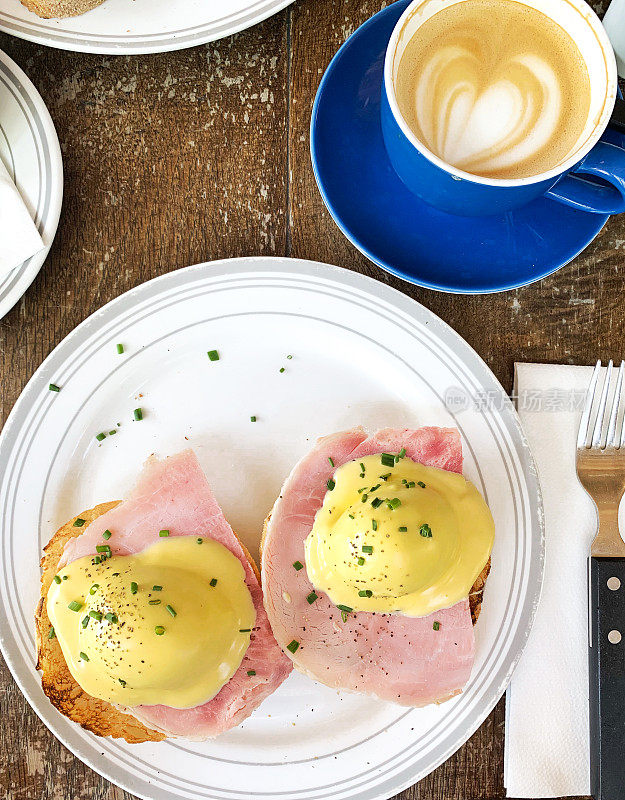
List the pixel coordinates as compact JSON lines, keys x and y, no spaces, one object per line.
{"x":497,"y":99}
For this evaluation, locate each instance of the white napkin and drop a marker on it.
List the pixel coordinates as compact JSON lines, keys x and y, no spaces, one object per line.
{"x":19,"y":238}
{"x":546,"y":748}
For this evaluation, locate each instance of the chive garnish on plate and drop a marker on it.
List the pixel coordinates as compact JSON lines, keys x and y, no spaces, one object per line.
{"x":133,"y":587}
{"x":394,"y":503}
{"x":436,"y":626}
{"x":213,"y":581}
{"x":107,"y":534}
{"x":84,"y":656}
{"x":94,"y":588}
{"x":376,"y":502}
{"x":421,"y":484}
{"x":311,"y":598}
{"x":387,"y":460}
{"x":213,"y":355}
{"x":154,"y":602}
{"x":374,"y":524}
{"x":84,"y":621}
{"x":159,"y":630}
{"x":365,"y":593}
{"x":54,"y":388}
{"x":292,"y":646}
{"x":425,"y":531}
{"x":245,"y":630}
{"x":361,"y":561}
{"x":100,"y":437}
{"x":51,"y":633}
{"x":282,"y":369}
{"x":74,"y":605}
{"x":163,"y":532}
{"x":298,"y":565}
{"x":199,"y":540}
{"x":331,"y":461}
{"x":330,"y":484}
{"x":403,"y":529}
{"x":120,"y":349}
{"x":138,"y":414}
{"x":171,"y":610}
{"x":110,"y":617}
{"x":346,"y":609}
{"x":157,"y":588}
{"x":79,"y":522}
{"x":97,"y":615}
{"x":252,"y":419}
{"x":251,"y":672}
{"x":367,"y":548}
{"x":56,"y":579}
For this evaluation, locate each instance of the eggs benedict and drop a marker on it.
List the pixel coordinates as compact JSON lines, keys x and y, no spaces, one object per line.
{"x":153,"y":608}
{"x":394,"y":536}
{"x":374,"y":561}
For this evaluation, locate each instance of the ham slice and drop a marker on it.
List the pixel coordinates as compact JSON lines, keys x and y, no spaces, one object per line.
{"x":394,"y":657}
{"x":174,"y":494}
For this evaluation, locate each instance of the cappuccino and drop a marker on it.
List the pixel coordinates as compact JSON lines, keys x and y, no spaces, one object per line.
{"x":494,"y":88}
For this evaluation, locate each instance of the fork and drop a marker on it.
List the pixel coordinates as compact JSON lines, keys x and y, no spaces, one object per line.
{"x":601,"y":471}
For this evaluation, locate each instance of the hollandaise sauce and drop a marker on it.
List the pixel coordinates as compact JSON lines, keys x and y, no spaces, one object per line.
{"x":395,"y":536}
{"x":169,"y":625}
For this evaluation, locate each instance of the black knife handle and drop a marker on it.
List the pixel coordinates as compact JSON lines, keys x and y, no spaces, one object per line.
{"x":607,"y":678}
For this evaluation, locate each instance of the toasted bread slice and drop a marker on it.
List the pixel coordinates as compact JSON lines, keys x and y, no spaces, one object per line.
{"x":60,"y":8}
{"x":475,"y":595}
{"x":65,"y":694}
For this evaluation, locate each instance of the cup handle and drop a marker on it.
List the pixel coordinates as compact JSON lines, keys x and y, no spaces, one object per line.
{"x":605,"y":161}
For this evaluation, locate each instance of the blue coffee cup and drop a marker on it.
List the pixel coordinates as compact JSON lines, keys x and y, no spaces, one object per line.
{"x":592,"y":178}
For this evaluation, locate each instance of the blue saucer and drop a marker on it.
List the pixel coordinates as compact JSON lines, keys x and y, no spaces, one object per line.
{"x":395,"y":229}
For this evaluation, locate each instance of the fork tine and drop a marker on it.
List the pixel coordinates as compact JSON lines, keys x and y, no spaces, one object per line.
{"x":596,"y":434}
{"x":584,"y":423}
{"x":611,"y":439}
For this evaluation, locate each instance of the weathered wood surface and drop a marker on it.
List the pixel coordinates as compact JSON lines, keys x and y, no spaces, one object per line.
{"x":184,"y":157}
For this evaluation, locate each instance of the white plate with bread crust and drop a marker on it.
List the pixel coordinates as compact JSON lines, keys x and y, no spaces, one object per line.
{"x":124,"y":27}
{"x":362,"y":353}
{"x":29,"y":149}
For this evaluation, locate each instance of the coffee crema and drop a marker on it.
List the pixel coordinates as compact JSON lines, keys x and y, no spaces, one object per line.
{"x":494,"y":88}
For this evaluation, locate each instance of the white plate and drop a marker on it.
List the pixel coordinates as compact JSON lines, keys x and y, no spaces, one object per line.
{"x":362,"y":353}
{"x":30,"y":150}
{"x":132,"y":27}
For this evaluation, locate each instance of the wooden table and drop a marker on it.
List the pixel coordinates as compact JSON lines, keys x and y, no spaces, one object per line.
{"x":184,"y":157}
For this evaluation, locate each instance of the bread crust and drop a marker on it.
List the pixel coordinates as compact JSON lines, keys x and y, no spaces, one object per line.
{"x":48,"y":9}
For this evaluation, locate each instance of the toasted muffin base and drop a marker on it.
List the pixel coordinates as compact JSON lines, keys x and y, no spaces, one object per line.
{"x":58,"y":684}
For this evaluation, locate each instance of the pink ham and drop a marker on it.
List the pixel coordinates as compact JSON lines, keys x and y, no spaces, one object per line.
{"x":397,"y":658}
{"x":174,"y":494}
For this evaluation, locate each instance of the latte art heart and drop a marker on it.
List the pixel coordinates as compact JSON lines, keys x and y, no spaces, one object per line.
{"x":501,"y":103}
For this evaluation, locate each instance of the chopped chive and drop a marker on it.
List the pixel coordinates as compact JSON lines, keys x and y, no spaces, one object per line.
{"x":96,"y":560}
{"x":364,"y":498}
{"x":331,"y":461}
{"x":394,"y":503}
{"x":138,"y":414}
{"x":362,"y":475}
{"x":289,"y":357}
{"x":362,"y":489}
{"x":213,"y":355}
{"x":367,"y":548}
{"x":163,"y":533}
{"x":282,"y":369}
{"x":213,"y":581}
{"x":374,"y":488}
{"x":74,"y":605}
{"x":292,"y":646}
{"x":385,"y":477}
{"x":344,"y":616}
{"x":361,"y":561}
{"x":387,"y":460}
{"x":245,"y":630}
{"x":330,"y":484}
{"x":84,"y":656}
{"x":376,"y":502}
{"x":251,"y":672}
{"x":65,"y":577}
{"x":311,"y":598}
{"x":403,"y":529}
{"x":421,"y":484}
{"x":159,"y":630}
{"x":402,"y":453}
{"x":107,"y":534}
{"x":123,"y":682}
{"x":96,"y":615}
{"x":51,"y":633}
{"x":298,"y":565}
{"x":100,"y":437}
{"x":85,"y":621}
{"x":104,"y":548}
{"x":120,"y":349}
{"x":94,"y":588}
{"x":425,"y":531}
{"x":374,"y":524}
{"x":253,"y":419}
{"x":155,"y":602}
{"x":54,"y":388}
{"x":56,"y":579}
{"x":365,"y":593}
{"x":157,"y":588}
{"x":412,"y":484}
{"x":110,"y":617}
{"x":171,"y":610}
{"x":346,"y":609}
{"x":351,"y":516}
{"x":78,"y":522}
{"x":133,"y":587}
{"x":436,"y":626}
{"x":199,"y":540}
{"x":113,"y":432}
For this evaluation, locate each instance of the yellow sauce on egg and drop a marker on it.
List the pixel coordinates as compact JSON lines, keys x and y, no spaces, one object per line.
{"x":402,"y":538}
{"x":169,"y":625}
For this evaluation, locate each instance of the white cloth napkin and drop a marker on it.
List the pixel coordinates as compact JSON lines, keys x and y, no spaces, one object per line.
{"x":19,"y":238}
{"x":546,"y":746}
